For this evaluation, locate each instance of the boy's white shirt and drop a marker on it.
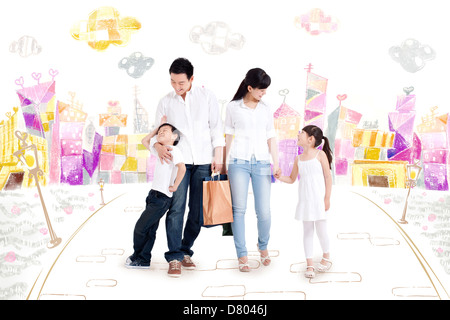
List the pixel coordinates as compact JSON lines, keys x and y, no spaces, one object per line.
{"x":199,"y":121}
{"x":166,"y":173}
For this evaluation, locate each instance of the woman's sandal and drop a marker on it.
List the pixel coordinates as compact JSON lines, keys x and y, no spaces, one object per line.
{"x":310,"y":273}
{"x":265,"y":260}
{"x":243,"y":266}
{"x":324,"y":268}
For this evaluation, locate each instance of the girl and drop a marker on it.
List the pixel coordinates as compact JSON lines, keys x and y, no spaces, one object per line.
{"x":250,"y":141}
{"x":314,"y":190}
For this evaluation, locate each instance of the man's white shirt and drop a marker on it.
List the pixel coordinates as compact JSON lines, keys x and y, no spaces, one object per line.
{"x":198,"y":119}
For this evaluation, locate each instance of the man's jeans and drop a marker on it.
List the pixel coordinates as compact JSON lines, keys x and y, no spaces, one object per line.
{"x":193,"y":179}
{"x":239,"y":173}
{"x":145,"y":230}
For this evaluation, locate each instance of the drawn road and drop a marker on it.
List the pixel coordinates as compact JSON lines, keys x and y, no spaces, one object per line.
{"x":373,"y":258}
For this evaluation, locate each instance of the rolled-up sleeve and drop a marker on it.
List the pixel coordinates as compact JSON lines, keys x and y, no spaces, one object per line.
{"x":215,"y":122}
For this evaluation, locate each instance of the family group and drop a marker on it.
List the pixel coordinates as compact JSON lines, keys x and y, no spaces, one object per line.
{"x":192,"y":142}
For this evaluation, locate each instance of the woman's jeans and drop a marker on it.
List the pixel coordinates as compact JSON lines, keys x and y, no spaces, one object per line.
{"x":239,"y":174}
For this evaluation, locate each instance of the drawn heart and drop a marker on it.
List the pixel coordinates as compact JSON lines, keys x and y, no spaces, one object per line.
{"x":36,"y":76}
{"x":408,"y":90}
{"x":19,"y":81}
{"x":53,"y":73}
{"x":387,"y":201}
{"x":113,"y":103}
{"x":21,"y":135}
{"x":341,"y":97}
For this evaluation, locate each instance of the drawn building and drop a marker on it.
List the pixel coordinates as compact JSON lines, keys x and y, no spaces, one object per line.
{"x":140,"y":122}
{"x":341,"y":124}
{"x":315,"y":102}
{"x":123,"y":159}
{"x":434,"y":132}
{"x":407,"y":145}
{"x":13,"y":174}
{"x":68,"y":143}
{"x":370,"y":169}
{"x":287,"y":125}
{"x":113,"y":120}
{"x":38,"y":106}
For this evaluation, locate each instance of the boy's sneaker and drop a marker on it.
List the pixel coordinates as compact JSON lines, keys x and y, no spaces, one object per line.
{"x":188,"y":263}
{"x":136,"y":264}
{"x":174,"y":269}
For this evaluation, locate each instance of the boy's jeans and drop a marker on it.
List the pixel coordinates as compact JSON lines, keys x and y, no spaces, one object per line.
{"x":145,"y":230}
{"x":239,"y":174}
{"x":193,"y":179}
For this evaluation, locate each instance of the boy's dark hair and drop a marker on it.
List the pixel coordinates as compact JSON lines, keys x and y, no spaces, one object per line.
{"x":174,"y":130}
{"x":182,"y":65}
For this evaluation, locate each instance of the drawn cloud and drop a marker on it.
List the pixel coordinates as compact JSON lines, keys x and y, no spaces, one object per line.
{"x":316,"y":22}
{"x":216,"y":38}
{"x":25,"y":46}
{"x":136,"y":64}
{"x":104,"y":27}
{"x":412,"y":55}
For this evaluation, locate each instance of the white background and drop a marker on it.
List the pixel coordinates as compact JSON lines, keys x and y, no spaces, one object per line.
{"x":354,"y":59}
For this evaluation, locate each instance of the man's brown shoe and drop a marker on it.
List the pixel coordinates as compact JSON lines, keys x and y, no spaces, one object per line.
{"x":174,"y":269}
{"x":188,"y":263}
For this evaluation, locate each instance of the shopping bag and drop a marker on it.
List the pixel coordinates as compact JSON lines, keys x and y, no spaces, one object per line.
{"x":217,"y":201}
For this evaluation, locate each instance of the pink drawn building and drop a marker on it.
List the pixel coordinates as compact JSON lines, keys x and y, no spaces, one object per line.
{"x":407,"y":145}
{"x":341,"y":124}
{"x":287,"y":124}
{"x":315,"y":102}
{"x":434,"y":132}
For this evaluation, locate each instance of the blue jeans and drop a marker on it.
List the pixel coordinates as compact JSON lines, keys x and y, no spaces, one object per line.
{"x":239,"y":173}
{"x":193,"y":179}
{"x":144,"y":235}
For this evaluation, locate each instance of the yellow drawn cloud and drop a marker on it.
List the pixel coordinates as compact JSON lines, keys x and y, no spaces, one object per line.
{"x":105,"y":27}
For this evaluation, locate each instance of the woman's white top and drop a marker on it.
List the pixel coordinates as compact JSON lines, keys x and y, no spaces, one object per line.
{"x":311,"y":191}
{"x":251,"y":129}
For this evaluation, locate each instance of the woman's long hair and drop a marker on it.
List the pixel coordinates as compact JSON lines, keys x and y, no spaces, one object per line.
{"x":255,"y":78}
{"x":317,"y":133}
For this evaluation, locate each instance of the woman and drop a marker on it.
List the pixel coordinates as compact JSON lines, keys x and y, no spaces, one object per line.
{"x":250,"y":141}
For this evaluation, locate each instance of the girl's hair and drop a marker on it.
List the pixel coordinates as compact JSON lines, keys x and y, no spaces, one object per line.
{"x":317,"y":133}
{"x":255,"y":78}
{"x":182,"y":65}
{"x":174,"y":130}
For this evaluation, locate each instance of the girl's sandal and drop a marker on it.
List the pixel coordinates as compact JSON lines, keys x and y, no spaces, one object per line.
{"x":244,"y":266}
{"x":324,"y":268}
{"x":310,"y":273}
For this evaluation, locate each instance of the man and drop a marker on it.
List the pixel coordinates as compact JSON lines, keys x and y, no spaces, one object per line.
{"x":196,"y":113}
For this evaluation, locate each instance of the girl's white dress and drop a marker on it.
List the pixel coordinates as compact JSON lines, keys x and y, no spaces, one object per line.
{"x":311,"y":191}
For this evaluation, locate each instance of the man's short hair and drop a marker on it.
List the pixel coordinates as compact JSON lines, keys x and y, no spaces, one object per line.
{"x":182,"y":65}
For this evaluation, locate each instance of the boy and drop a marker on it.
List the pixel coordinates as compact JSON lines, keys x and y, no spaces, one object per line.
{"x":167,"y":178}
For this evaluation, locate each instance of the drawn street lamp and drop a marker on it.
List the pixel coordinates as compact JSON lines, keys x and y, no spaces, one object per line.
{"x":27,"y":154}
{"x":102,"y":184}
{"x":412,"y":171}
